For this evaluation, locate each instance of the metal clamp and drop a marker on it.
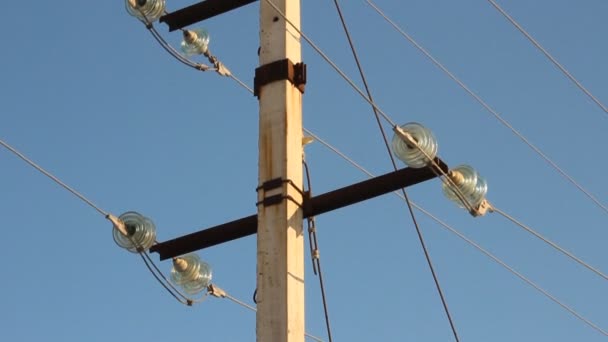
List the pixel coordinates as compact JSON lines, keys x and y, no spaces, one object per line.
{"x":277,"y":183}
{"x":277,"y":71}
{"x":483,"y":208}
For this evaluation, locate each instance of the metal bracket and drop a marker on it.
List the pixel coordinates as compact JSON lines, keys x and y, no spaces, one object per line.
{"x":276,"y":183}
{"x":277,"y":71}
{"x":215,"y":291}
{"x":272,"y":184}
{"x":483,"y":208}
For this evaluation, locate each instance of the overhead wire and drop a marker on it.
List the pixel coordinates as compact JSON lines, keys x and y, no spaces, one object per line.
{"x":182,"y":59}
{"x":10,"y":148}
{"x":377,"y":110}
{"x":167,"y":47}
{"x":386,"y":117}
{"x":241,"y":83}
{"x":198,"y":66}
{"x":145,"y":257}
{"x":351,"y":83}
{"x":314,"y":252}
{"x":174,"y":53}
{"x":492,"y":111}
{"x":549,"y":242}
{"x":536,"y":234}
{"x":468,"y":241}
{"x":523,"y":226}
{"x":167,"y":284}
{"x":516,"y":273}
{"x":223,"y":294}
{"x":392,"y":158}
{"x":150,"y":265}
{"x":330,"y":62}
{"x":52,"y":177}
{"x":176,"y":294}
{"x":241,"y":303}
{"x":447,"y":177}
{"x":352,"y":162}
{"x":551,"y":58}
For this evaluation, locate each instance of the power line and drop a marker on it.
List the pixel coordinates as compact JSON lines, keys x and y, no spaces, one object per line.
{"x":470,"y":242}
{"x":37,"y":167}
{"x":163,"y":43}
{"x":550,"y":243}
{"x":159,"y":278}
{"x":404,"y":194}
{"x":241,"y":83}
{"x":145,"y":257}
{"x":392,"y":158}
{"x":52,"y":177}
{"x":553,"y":60}
{"x":331,"y":63}
{"x":516,"y":273}
{"x":221,"y":293}
{"x":198,"y":66}
{"x":438,"y":170}
{"x":391,"y":122}
{"x":314,"y":253}
{"x":488,"y":108}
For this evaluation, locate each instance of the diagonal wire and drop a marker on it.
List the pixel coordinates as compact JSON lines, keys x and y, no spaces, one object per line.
{"x":359,"y":91}
{"x":198,"y":66}
{"x":240,"y":302}
{"x":241,"y":83}
{"x":392,"y":158}
{"x":163,"y":43}
{"x":254,"y":309}
{"x":438,"y":170}
{"x":370,"y":101}
{"x":553,"y":60}
{"x":331,"y":63}
{"x":469,"y":241}
{"x":516,"y":273}
{"x":175,"y":294}
{"x":55,"y":179}
{"x":550,"y":243}
{"x":145,"y":257}
{"x":488,"y":108}
{"x":472,"y":243}
{"x":169,"y":283}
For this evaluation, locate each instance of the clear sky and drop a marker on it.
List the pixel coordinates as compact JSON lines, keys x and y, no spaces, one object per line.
{"x":88,"y":94}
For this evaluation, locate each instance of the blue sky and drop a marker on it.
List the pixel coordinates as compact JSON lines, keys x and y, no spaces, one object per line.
{"x":89,"y":95}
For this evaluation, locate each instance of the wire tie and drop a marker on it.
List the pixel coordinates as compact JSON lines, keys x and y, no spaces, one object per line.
{"x":483,"y":208}
{"x":118,"y":224}
{"x":215,"y":291}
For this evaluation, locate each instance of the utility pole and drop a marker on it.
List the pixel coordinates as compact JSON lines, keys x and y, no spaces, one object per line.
{"x":280,"y":239}
{"x":281,"y":204}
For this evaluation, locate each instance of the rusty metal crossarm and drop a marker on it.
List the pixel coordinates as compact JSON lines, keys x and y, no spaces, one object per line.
{"x":200,"y":11}
{"x":313,"y":206}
